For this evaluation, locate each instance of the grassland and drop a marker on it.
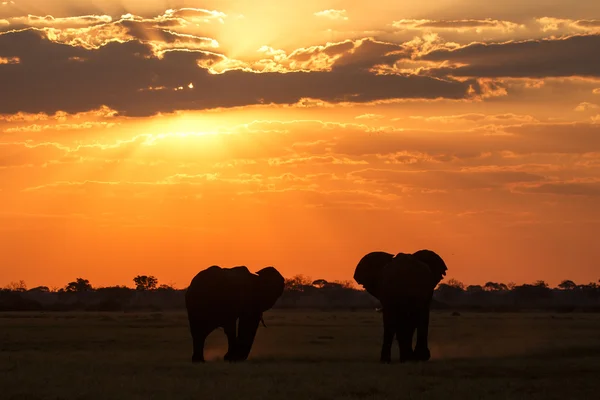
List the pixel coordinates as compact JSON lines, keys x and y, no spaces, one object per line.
{"x":300,"y":355}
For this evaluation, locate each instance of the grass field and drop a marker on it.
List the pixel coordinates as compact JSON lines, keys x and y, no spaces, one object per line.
{"x":300,"y":355}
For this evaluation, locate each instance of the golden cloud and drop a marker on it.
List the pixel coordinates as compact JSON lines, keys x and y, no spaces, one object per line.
{"x":339,"y":15}
{"x":549,"y":24}
{"x":463,"y":25}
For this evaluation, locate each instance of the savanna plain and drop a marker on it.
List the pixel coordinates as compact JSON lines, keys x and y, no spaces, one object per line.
{"x":299,"y":355}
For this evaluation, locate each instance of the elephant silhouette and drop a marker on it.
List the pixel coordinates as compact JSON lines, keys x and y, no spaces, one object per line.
{"x":404,"y":285}
{"x":219,"y":297}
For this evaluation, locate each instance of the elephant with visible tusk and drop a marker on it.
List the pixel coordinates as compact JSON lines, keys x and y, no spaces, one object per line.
{"x":404,"y":285}
{"x":218,"y":297}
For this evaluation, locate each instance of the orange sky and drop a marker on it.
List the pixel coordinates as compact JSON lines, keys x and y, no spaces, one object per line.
{"x":162,"y":137}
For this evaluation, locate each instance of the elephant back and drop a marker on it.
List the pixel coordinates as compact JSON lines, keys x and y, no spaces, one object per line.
{"x":405,"y":278}
{"x":219,"y":290}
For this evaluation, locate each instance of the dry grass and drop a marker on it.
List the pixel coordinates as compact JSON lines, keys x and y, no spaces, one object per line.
{"x":301,"y":355}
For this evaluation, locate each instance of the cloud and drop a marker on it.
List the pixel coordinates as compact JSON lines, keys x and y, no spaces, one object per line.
{"x":528,"y":138}
{"x":64,"y":22}
{"x":370,"y":116}
{"x":550,"y":24}
{"x":565,"y":189}
{"x":497,"y":119}
{"x":563,"y":57}
{"x":196,"y":15}
{"x":462,"y":25}
{"x":102,"y":112}
{"x":61,"y":127}
{"x":4,"y":22}
{"x":53,"y":76}
{"x":339,"y":15}
{"x":9,"y":60}
{"x":26,"y":154}
{"x":585,"y":106}
{"x":444,"y":180}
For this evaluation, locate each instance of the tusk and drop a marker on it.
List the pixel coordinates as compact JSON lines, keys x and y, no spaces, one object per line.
{"x":263,"y":321}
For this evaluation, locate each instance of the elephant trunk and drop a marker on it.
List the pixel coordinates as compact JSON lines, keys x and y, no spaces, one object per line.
{"x":246,"y":334}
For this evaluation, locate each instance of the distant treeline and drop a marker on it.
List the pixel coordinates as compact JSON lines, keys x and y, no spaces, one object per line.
{"x":302,"y":292}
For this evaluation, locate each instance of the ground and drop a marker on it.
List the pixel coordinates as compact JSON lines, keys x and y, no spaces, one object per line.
{"x":300,"y":355}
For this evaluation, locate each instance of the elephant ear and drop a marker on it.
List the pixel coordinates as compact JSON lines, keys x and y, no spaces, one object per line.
{"x":369,"y":271}
{"x":270,"y":287}
{"x":435,"y":262}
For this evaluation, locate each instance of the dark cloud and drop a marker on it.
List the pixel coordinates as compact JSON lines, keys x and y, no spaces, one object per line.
{"x":593,"y":23}
{"x":571,"y":56}
{"x":53,"y":76}
{"x":369,"y":53}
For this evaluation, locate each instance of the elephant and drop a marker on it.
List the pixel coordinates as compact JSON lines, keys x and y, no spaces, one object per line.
{"x":218,"y":297}
{"x":404,"y":285}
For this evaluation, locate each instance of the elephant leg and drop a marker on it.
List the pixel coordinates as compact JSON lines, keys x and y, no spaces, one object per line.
{"x":199,"y":334}
{"x":230,"y":331}
{"x":389,"y":330}
{"x":422,"y":352}
{"x":406,"y":328}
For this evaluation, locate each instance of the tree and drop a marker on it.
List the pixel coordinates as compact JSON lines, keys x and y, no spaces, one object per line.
{"x":79,"y":285}
{"x":167,"y":287}
{"x":474,"y":289}
{"x":144,"y":282}
{"x":346,"y":284}
{"x":451,"y":290}
{"x":42,"y":289}
{"x":298,"y":283}
{"x":541,"y":284}
{"x":20,"y":286}
{"x":320,"y":283}
{"x":456,"y":284}
{"x":567,"y":285}
{"x":494,"y":287}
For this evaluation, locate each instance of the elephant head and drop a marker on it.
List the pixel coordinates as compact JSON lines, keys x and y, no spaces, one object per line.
{"x":436,"y":264}
{"x":267,"y":287}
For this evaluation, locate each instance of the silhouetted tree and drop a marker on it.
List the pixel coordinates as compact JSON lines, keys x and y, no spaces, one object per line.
{"x":494,"y":287}
{"x":451,"y":290}
{"x":541,"y":283}
{"x":538,"y":290}
{"x":298,"y":283}
{"x":456,"y":284}
{"x":144,"y":282}
{"x":345,"y":284}
{"x":79,"y":285}
{"x":42,"y":289}
{"x":474,"y":289}
{"x":320,"y":283}
{"x":567,"y":285}
{"x":19,"y":286}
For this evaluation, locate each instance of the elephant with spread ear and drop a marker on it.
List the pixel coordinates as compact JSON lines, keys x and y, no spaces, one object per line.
{"x":404,"y":285}
{"x":219,"y":297}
